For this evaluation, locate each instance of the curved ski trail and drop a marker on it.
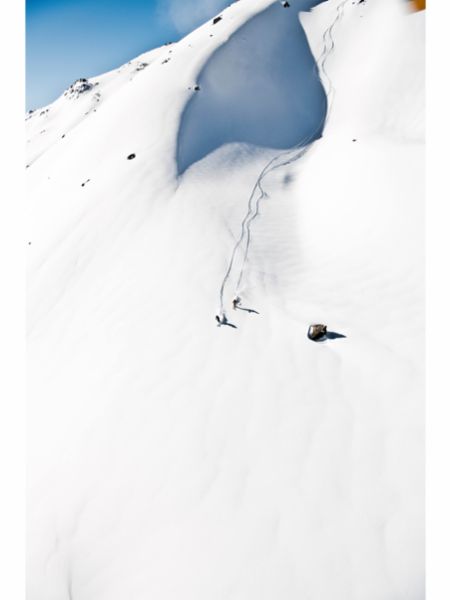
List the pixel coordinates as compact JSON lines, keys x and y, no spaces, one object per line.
{"x":286,"y":157}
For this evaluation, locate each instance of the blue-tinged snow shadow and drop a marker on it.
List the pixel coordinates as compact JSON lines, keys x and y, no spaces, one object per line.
{"x":261,"y":88}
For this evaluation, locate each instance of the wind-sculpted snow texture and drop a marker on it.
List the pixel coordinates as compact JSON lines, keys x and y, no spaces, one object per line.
{"x":283,"y":159}
{"x":173,"y":459}
{"x":239,"y":102}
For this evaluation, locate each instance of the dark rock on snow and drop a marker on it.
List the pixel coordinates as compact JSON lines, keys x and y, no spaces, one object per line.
{"x":317,"y":332}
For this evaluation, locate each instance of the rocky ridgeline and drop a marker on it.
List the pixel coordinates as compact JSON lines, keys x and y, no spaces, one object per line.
{"x":141,"y":66}
{"x":79,"y":87}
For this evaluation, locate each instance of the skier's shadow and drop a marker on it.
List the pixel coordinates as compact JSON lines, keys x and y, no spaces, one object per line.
{"x":248,"y":310}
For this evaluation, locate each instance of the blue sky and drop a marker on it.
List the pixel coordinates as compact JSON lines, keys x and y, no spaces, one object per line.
{"x":68,"y":39}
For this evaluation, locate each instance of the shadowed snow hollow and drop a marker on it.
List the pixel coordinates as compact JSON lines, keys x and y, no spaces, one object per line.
{"x":238,"y":102}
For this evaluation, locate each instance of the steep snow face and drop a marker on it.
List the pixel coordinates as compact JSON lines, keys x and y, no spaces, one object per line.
{"x":170,"y":458}
{"x":236,"y":96}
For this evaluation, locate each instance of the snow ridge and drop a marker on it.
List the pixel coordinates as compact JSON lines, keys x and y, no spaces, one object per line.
{"x":235,"y":73}
{"x":286,"y":157}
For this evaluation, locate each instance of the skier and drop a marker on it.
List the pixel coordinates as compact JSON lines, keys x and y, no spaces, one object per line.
{"x":236,"y":306}
{"x":221,"y":319}
{"x":236,"y":302}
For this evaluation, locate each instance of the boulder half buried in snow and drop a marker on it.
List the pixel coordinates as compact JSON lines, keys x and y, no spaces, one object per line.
{"x":317,"y":332}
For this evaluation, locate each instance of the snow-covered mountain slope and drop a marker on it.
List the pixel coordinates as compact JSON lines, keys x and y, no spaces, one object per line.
{"x":170,"y":458}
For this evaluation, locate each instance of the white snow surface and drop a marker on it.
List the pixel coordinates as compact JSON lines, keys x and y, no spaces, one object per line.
{"x":172,"y":459}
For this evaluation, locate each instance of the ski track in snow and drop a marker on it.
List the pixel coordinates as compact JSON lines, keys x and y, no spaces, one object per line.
{"x":169,"y":460}
{"x":272,"y":165}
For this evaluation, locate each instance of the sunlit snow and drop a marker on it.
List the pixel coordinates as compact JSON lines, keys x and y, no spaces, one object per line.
{"x":172,"y":459}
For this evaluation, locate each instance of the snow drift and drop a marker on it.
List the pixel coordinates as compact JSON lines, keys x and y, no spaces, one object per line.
{"x":170,"y":458}
{"x":239,"y":102}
